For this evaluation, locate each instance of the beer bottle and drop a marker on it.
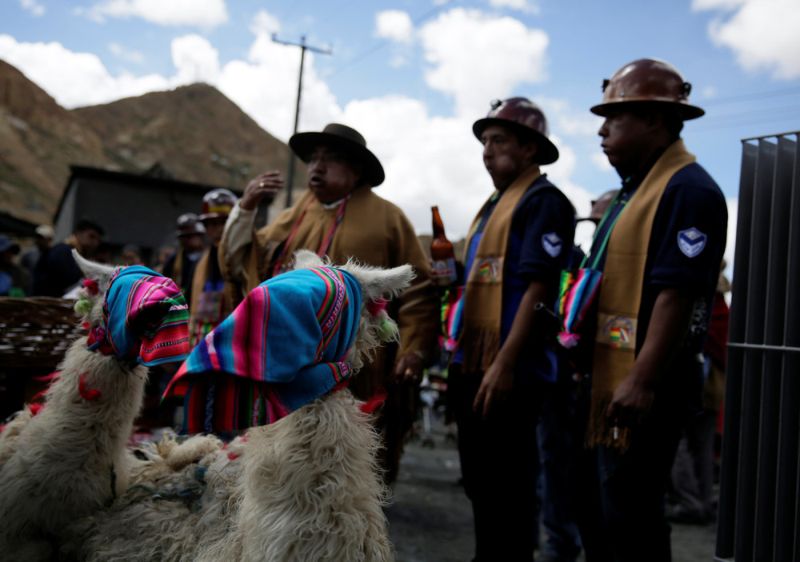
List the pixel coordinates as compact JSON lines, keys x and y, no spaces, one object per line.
{"x":442,"y":253}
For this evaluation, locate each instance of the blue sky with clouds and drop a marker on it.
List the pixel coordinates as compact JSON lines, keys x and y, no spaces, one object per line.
{"x":414,"y":74}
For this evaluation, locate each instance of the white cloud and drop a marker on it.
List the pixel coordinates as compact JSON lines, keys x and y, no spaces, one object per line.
{"x":601,"y":161}
{"x":265,"y":86}
{"x":763,"y":34}
{"x":698,"y":5}
{"x":560,"y":173}
{"x":195,"y":13}
{"x":195,"y":59}
{"x":264,"y":23}
{"x":32,"y":6}
{"x":394,"y":25}
{"x":437,"y":161}
{"x":74,"y":79}
{"x":566,"y":120}
{"x":429,"y":160}
{"x":519,"y":5}
{"x":476,"y":58}
{"x":123,"y":53}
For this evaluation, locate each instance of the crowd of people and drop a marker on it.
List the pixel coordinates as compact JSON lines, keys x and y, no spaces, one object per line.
{"x":573,"y":375}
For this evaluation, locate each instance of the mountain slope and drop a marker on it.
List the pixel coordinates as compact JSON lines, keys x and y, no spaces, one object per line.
{"x":193,"y":133}
{"x":39,"y":139}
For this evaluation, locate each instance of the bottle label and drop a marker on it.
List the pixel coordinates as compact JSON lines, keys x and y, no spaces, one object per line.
{"x":444,"y":271}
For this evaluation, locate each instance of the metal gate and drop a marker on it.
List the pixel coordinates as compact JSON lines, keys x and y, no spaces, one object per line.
{"x":759,"y":505}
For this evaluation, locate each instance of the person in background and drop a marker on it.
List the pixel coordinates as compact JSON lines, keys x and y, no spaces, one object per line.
{"x":560,"y":436}
{"x":163,"y":254}
{"x":341,"y":216}
{"x":42,"y":243}
{"x":599,"y":206}
{"x":659,"y":248}
{"x":212,"y":298}
{"x":58,"y":272}
{"x":131,"y":255}
{"x":14,"y":279}
{"x":181,"y":265}
{"x":517,"y":246}
{"x":693,"y":469}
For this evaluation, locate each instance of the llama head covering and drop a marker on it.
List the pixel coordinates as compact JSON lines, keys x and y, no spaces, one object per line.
{"x":144,"y":318}
{"x":283,"y":347}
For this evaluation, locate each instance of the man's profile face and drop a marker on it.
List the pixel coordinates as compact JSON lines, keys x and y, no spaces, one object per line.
{"x":192,"y":242}
{"x":331,"y":175}
{"x":625,"y":137}
{"x":504,"y":157}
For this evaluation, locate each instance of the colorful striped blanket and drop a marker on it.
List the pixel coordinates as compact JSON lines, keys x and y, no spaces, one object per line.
{"x":283,"y":347}
{"x":145,"y":318}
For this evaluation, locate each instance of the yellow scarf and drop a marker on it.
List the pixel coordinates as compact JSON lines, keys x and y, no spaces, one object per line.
{"x":483,"y":304}
{"x":621,"y":293}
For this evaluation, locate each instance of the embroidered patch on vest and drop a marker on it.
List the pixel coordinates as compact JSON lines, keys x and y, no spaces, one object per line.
{"x":551,"y":242}
{"x":618,"y":332}
{"x":487,"y":270}
{"x":691,"y":242}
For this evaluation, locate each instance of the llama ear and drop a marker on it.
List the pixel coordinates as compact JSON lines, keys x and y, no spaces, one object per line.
{"x":306,"y":259}
{"x":93,"y":270}
{"x":379,"y":283}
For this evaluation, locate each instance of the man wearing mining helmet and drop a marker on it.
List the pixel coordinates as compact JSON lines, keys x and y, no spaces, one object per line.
{"x":518,"y":243}
{"x":659,"y":248}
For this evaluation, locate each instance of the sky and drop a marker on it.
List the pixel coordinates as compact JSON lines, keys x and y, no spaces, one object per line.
{"x":413,"y":75}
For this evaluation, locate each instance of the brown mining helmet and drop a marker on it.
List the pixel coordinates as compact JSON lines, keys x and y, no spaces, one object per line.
{"x":217,"y":203}
{"x":522,"y":115}
{"x":648,"y":81}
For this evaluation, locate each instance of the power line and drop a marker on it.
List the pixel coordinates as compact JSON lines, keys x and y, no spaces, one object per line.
{"x":753,"y":96}
{"x":383,"y":42}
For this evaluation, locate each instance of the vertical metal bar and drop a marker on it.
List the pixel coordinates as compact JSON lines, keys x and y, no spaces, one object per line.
{"x":774,"y":318}
{"x":754,"y":359}
{"x":733,"y":383}
{"x":787,"y":513}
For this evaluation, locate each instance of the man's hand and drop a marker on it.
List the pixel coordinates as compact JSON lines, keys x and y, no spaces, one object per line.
{"x":263,"y":185}
{"x":634,"y":396}
{"x":408,"y":368}
{"x":631,"y":402}
{"x":495,"y":386}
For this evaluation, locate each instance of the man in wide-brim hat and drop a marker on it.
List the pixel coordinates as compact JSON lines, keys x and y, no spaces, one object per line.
{"x":340,"y":216}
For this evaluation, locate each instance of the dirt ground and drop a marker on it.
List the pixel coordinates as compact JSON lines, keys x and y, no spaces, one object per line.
{"x":430,"y":519}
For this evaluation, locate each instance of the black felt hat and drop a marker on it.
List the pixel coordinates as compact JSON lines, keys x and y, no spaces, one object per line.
{"x":344,"y":138}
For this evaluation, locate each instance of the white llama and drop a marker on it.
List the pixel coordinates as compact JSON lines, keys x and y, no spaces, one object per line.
{"x":303,"y":488}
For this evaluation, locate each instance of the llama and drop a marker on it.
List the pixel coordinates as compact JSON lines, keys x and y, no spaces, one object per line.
{"x":70,"y":459}
{"x":303,"y":488}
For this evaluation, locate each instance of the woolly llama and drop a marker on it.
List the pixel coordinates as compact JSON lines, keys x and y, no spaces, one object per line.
{"x":301,"y":485}
{"x":70,"y":459}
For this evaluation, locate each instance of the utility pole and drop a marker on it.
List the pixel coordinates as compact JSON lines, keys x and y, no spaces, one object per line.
{"x":303,"y":48}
